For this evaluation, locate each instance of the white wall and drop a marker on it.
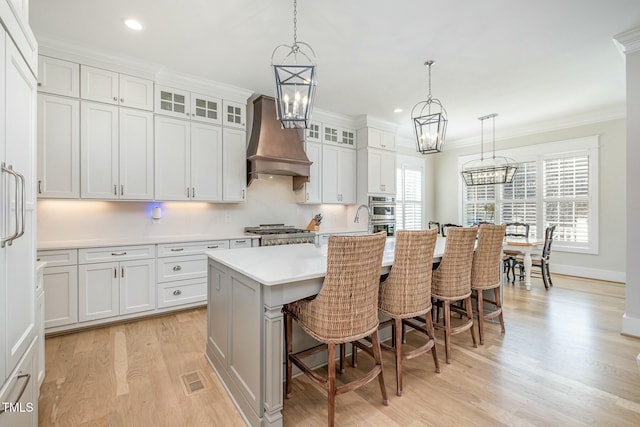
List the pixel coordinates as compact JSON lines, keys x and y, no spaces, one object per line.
{"x":610,"y":263}
{"x":268,"y":201}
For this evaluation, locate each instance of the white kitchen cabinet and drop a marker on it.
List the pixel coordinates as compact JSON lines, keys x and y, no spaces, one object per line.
{"x":314,"y":132}
{"x":21,"y":390}
{"x":369,"y":137}
{"x":58,"y":77}
{"x":188,"y":160}
{"x":339,"y":136}
{"x":40,"y":350}
{"x":61,"y":290}
{"x":58,"y":147}
{"x":234,"y":165}
{"x":18,"y":153}
{"x":207,"y":109}
{"x":235,"y":114}
{"x":206,"y":162}
{"x":99,"y":151}
{"x":109,"y":289}
{"x":381,"y":170}
{"x":173,"y":102}
{"x":239,"y":243}
{"x":135,"y":160}
{"x":338,"y":175}
{"x":311,"y":192}
{"x":114,"y":88}
{"x":116,"y":152}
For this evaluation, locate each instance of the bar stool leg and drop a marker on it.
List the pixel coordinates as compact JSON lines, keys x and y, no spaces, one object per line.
{"x":447,"y":331}
{"x":499,"y":307}
{"x":432,"y":335}
{"x":480,"y":315}
{"x":470,"y":315}
{"x":331,"y":383}
{"x":398,"y":340}
{"x":377,"y":356}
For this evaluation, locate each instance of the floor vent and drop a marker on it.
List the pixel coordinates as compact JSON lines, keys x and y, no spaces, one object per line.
{"x":193,"y":382}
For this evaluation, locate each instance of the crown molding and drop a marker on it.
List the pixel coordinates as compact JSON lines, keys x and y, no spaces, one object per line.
{"x":338,"y":119}
{"x":83,"y":54}
{"x":629,"y":41}
{"x":374,"y":122}
{"x":614,"y":113}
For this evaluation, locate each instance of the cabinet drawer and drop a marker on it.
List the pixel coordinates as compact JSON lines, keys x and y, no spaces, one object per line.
{"x":240,"y":243}
{"x":183,"y":292}
{"x":182,"y":267}
{"x":191,"y":248}
{"x":57,"y":258}
{"x":115,"y":253}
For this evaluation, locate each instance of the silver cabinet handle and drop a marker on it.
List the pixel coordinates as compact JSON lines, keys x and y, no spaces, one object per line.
{"x":193,"y":192}
{"x":115,"y":190}
{"x":118,"y":253}
{"x":122,"y":189}
{"x":122,"y":272}
{"x":241,"y":241}
{"x":242,"y":194}
{"x":115,"y":273}
{"x":115,"y":98}
{"x":177,"y":249}
{"x":39,"y":186}
{"x":187,"y":192}
{"x":23,"y":205}
{"x":177,"y":292}
{"x":177,"y":268}
{"x":9,"y":239}
{"x":121,"y":99}
{"x":22,"y":389}
{"x":213,"y":247}
{"x":307,"y":196}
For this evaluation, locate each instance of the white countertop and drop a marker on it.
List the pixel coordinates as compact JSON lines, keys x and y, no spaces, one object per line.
{"x":276,"y":265}
{"x":151,"y":240}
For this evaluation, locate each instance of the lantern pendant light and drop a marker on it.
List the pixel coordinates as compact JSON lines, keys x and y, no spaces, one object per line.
{"x":429,"y":122}
{"x":295,"y":77}
{"x":497,"y":170}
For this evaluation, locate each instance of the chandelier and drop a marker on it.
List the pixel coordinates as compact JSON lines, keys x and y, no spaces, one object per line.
{"x":429,"y":122}
{"x":496,"y":170}
{"x":295,"y":74}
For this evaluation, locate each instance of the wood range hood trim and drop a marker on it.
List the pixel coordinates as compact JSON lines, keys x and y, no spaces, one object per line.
{"x":273,"y":150}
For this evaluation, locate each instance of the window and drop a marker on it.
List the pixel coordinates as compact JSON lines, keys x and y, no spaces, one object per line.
{"x":558,"y":188}
{"x":409,"y":198}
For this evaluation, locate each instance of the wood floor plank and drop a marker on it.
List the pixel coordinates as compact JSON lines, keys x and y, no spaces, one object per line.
{"x":562,"y":362}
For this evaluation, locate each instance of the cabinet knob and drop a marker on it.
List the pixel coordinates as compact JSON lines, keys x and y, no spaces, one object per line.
{"x":115,"y":98}
{"x":177,"y":268}
{"x":121,"y":99}
{"x":39,"y":84}
{"x":177,"y":292}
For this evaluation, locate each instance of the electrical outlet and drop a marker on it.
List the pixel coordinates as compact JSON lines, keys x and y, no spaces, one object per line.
{"x":227,"y":218}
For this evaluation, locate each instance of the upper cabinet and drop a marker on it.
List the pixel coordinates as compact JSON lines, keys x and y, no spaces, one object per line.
{"x":338,"y":175}
{"x":206,"y":109}
{"x":191,"y":105}
{"x":114,"y":88}
{"x":234,"y":165}
{"x":311,"y":192}
{"x":338,"y":136}
{"x":314,"y":132}
{"x":58,"y":77}
{"x":375,"y":138}
{"x":235,"y":115}
{"x":173,"y":102}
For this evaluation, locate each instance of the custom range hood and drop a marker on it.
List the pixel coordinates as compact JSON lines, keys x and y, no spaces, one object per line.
{"x":273,"y":150}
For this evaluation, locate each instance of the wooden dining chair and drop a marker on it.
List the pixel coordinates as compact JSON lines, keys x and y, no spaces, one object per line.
{"x":434,"y":225}
{"x":540,"y":259}
{"x":518,"y":230}
{"x":485,"y":273}
{"x":345,"y":310}
{"x":452,"y":283}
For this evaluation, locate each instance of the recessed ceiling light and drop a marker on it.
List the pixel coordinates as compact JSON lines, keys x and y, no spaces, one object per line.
{"x":133,"y":24}
{"x":398,"y":110}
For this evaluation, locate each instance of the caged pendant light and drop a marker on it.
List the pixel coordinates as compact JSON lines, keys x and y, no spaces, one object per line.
{"x":295,"y":76}
{"x":496,"y":170}
{"x":429,"y":122}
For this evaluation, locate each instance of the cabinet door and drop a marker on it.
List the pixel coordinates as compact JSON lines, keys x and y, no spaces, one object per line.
{"x":98,"y":291}
{"x":172,"y":159}
{"x":137,"y":286}
{"x":388,"y":173}
{"x":98,"y":151}
{"x":313,"y":188}
{"x":374,"y":163}
{"x":234,"y":165}
{"x":313,"y":132}
{"x":206,"y":162}
{"x":99,"y":85}
{"x":61,"y":290}
{"x":330,"y":134}
{"x":234,"y":114}
{"x":347,"y":175}
{"x":206,"y":109}
{"x":58,"y":77}
{"x":135,"y":92}
{"x":330,"y":192}
{"x":20,"y":152}
{"x":4,"y":218}
{"x":172,"y":102}
{"x":58,"y":147}
{"x":348,"y":137}
{"x":135,"y":154}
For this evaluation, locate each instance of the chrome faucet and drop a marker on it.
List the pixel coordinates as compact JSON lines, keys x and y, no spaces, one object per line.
{"x":369,"y":213}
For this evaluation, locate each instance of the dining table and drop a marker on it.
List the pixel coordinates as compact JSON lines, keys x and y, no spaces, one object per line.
{"x":526,"y":246}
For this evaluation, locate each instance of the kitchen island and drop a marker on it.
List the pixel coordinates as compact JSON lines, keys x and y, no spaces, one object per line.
{"x":245,"y":341}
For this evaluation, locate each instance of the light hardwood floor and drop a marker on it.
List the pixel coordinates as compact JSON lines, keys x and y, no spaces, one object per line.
{"x":562,"y":362}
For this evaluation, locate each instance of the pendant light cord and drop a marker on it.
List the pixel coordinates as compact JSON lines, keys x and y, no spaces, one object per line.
{"x":295,"y":23}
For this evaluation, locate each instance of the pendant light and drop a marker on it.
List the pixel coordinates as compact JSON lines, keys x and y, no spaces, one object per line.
{"x":429,"y":122}
{"x":496,"y":170}
{"x":295,"y":76}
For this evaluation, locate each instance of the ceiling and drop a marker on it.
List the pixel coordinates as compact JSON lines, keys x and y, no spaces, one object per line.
{"x":537,"y":64}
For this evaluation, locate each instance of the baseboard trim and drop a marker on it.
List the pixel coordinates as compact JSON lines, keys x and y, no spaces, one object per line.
{"x":590,"y":273}
{"x":631,"y":326}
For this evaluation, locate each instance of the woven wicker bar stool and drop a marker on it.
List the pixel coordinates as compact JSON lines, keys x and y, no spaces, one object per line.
{"x":406,"y":294}
{"x":485,"y":273}
{"x":345,"y":310}
{"x":452,"y":282}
